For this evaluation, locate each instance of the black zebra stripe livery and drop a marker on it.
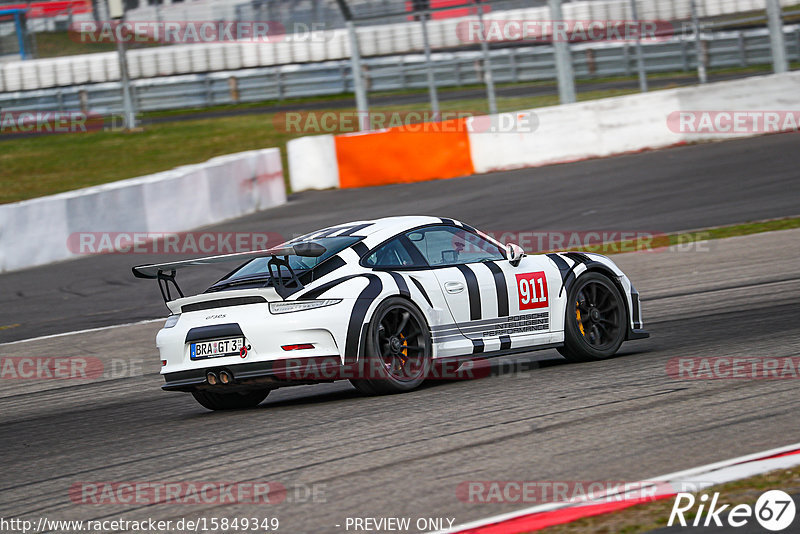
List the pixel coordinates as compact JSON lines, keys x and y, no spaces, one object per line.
{"x":473,"y":290}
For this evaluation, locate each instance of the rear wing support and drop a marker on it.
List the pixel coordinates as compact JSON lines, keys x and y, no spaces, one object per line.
{"x":164,"y":281}
{"x":283,"y":289}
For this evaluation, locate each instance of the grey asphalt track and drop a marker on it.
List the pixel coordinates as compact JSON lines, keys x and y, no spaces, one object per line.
{"x":670,"y":190}
{"x":623,"y":419}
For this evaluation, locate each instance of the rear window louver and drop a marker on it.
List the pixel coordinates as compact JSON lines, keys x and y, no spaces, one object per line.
{"x":222,"y":303}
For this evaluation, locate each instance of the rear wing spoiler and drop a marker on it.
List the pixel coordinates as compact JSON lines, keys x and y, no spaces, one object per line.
{"x":279,"y":257}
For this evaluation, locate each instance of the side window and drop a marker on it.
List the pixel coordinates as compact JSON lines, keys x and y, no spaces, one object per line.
{"x":392,"y":254}
{"x":449,"y":245}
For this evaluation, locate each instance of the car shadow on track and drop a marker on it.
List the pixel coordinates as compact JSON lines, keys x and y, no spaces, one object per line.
{"x":310,"y":397}
{"x":475,"y":370}
{"x":515,"y":365}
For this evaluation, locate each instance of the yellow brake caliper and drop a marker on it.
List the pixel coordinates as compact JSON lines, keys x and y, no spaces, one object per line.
{"x":578,"y":315}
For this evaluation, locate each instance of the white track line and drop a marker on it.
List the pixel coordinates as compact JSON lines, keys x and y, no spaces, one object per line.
{"x":88,"y":330}
{"x":715,"y":473}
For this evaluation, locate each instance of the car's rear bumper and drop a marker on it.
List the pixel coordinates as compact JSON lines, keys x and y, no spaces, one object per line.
{"x":259,"y":375}
{"x":315,"y":333}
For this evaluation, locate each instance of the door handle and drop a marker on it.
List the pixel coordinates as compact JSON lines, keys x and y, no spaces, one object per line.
{"x":453,"y":287}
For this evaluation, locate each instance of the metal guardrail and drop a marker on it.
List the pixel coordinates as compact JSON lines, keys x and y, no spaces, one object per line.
{"x":509,"y":65}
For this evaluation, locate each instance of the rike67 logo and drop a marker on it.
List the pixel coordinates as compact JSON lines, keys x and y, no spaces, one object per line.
{"x":774,"y":510}
{"x":532,"y":290}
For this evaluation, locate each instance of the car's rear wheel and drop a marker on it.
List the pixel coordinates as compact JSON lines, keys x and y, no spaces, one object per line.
{"x":230,"y":401}
{"x":398,"y":349}
{"x":595,"y":321}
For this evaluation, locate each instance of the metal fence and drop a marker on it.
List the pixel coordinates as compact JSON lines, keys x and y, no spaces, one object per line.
{"x":509,"y":65}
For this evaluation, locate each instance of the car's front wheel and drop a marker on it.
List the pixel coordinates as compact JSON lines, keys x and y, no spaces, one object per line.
{"x":398,"y":349}
{"x":595,"y":321}
{"x":230,"y":401}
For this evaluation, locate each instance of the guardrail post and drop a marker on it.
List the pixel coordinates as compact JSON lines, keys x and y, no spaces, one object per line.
{"x":639,"y":51}
{"x":83,"y":98}
{"x":487,"y":63}
{"x":423,"y":19}
{"x":797,"y":39}
{"x":358,"y":80}
{"x":116,"y":10}
{"x":136,"y":97}
{"x":776,"y":38}
{"x":626,"y":55}
{"x":742,"y":49}
{"x":684,"y":54}
{"x":564,"y":71}
{"x":127,"y":101}
{"x":512,"y":59}
{"x":701,"y":64}
{"x":208,"y":93}
{"x":591,"y":64}
{"x":233,"y":87}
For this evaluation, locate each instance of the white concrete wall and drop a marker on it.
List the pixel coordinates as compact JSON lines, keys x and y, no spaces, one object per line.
{"x":312,"y":163}
{"x":598,"y":128}
{"x":623,"y":124}
{"x":35,"y":232}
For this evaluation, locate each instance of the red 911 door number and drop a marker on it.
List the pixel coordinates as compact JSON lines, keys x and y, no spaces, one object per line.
{"x":532,"y":290}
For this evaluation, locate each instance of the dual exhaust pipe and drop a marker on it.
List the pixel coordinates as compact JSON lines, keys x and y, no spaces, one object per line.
{"x":223,"y":377}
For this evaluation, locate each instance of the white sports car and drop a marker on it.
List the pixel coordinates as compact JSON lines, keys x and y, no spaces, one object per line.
{"x":383,"y":303}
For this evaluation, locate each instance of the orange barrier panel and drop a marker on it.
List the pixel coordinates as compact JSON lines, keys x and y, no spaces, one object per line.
{"x":403,"y":154}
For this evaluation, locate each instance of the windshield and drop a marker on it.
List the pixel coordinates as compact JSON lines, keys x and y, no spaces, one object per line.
{"x":257,"y":268}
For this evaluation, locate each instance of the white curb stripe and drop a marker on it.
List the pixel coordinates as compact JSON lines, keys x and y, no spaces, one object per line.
{"x":88,"y":330}
{"x":712,"y":474}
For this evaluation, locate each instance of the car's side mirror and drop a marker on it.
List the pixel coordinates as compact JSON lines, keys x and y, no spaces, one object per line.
{"x":515,"y":253}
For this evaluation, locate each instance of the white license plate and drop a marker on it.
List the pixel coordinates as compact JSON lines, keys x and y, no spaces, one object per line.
{"x":219,"y":347}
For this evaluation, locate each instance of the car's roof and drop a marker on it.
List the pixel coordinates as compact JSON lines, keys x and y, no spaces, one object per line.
{"x":396,"y":224}
{"x":379,"y":229}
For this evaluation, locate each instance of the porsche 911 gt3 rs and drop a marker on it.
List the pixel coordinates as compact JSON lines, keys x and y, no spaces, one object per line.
{"x":383,"y":303}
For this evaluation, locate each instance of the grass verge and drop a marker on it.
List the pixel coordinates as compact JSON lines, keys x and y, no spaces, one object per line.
{"x":650,"y":242}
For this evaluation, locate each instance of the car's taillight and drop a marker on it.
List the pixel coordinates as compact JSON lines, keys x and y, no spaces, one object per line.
{"x":301,"y":346}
